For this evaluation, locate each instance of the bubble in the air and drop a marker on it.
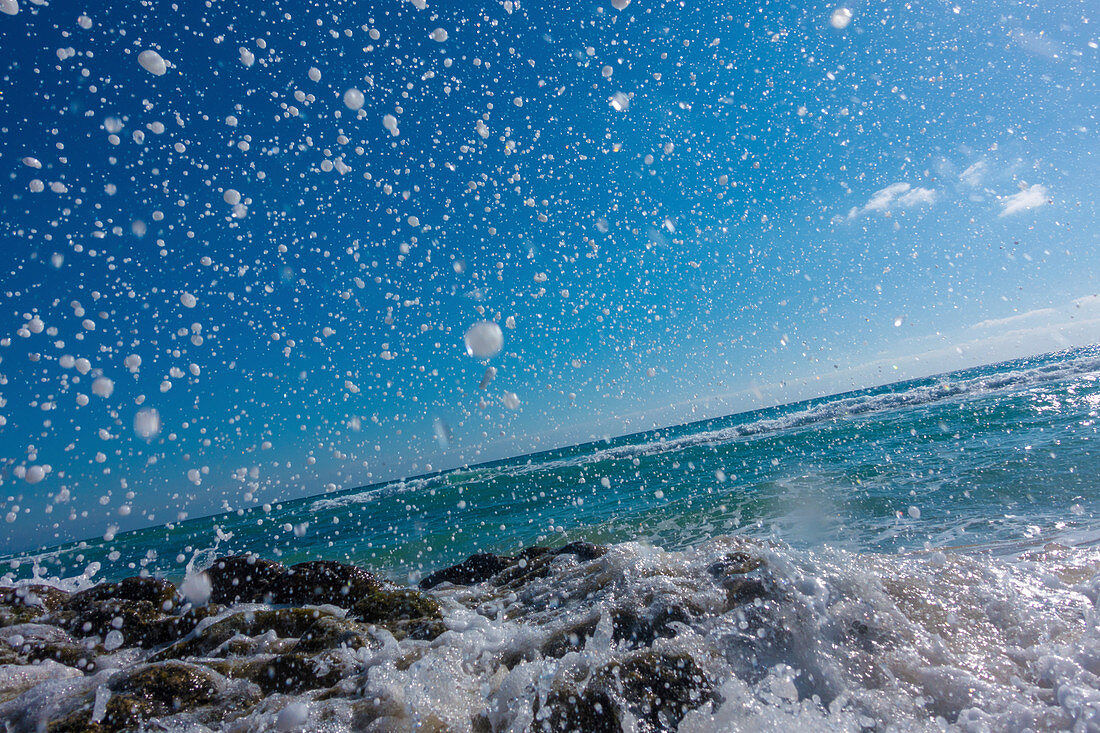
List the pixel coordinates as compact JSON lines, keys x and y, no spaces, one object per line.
{"x":484,"y":339}
{"x":10,"y":7}
{"x":440,"y":35}
{"x":840,"y":18}
{"x":620,"y":4}
{"x":487,"y":378}
{"x":353,"y":99}
{"x":147,"y":423}
{"x":231,"y":196}
{"x":152,"y":62}
{"x":103,"y":387}
{"x":510,"y":400}
{"x":188,"y":300}
{"x":31,"y":162}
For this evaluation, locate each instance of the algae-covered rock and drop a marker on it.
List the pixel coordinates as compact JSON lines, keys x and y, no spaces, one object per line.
{"x":403,"y":611}
{"x":157,"y":591}
{"x":26,"y":603}
{"x":168,"y":687}
{"x":134,"y":607}
{"x":324,"y":581}
{"x":284,"y":673}
{"x":331,"y":632}
{"x":243,"y":578}
{"x":290,"y":623}
{"x":41,"y":597}
{"x":141,"y":694}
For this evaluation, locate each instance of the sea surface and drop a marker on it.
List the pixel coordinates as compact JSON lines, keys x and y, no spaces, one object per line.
{"x":1000,"y":456}
{"x":918,"y":556}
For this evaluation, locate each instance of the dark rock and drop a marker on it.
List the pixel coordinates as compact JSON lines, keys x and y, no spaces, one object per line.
{"x":735,"y":563}
{"x":656,"y":689}
{"x":243,"y":578}
{"x":741,"y":575}
{"x":570,"y":639}
{"x":285,"y":673}
{"x":404,"y":612}
{"x":474,"y":569}
{"x":531,"y":562}
{"x":331,"y":632}
{"x":285,"y":622}
{"x":137,"y":621}
{"x":40,"y":597}
{"x":642,"y":629}
{"x":324,"y":581}
{"x":170,"y":628}
{"x":584,"y":551}
{"x":568,"y":711}
{"x":156,"y":591}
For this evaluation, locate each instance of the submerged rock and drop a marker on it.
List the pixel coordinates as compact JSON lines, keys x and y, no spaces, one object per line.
{"x":286,"y":623}
{"x":656,"y":689}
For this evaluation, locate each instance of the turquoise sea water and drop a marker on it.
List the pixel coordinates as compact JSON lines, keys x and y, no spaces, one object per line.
{"x":996,"y":456}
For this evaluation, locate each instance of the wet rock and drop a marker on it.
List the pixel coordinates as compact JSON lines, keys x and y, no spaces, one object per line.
{"x":243,"y":578}
{"x":404,"y":612}
{"x":584,"y":551}
{"x":324,"y":581}
{"x":156,"y":591}
{"x":168,"y":686}
{"x":530,"y":563}
{"x":39,"y":597}
{"x":656,"y":689}
{"x":569,"y":639}
{"x":285,"y":622}
{"x":170,"y":628}
{"x":25,"y":603}
{"x":735,"y":563}
{"x":134,"y":607}
{"x":285,"y":673}
{"x":137,"y":621}
{"x":568,"y":711}
{"x":143,"y":693}
{"x":331,"y":632}
{"x":741,"y":575}
{"x":642,"y":629}
{"x":474,"y":569}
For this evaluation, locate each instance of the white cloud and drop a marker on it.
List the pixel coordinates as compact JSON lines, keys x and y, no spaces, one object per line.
{"x":1029,"y":198}
{"x":896,"y":195}
{"x":973,"y":175}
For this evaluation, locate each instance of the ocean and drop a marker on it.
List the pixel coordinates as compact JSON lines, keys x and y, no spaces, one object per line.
{"x":921,"y":555}
{"x":996,"y":456}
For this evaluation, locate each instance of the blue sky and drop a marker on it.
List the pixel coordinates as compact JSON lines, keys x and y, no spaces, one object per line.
{"x":673,"y":210}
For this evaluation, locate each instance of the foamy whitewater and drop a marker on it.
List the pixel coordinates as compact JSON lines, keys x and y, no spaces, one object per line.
{"x":914,"y":557}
